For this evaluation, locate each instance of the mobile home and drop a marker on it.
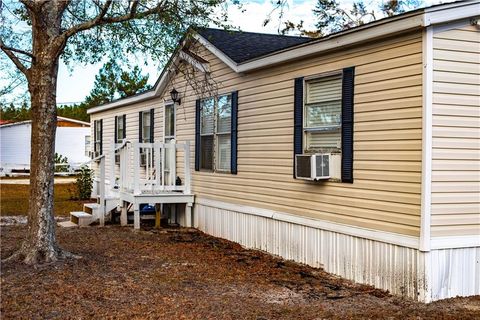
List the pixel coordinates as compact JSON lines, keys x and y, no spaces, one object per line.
{"x":357,"y":152}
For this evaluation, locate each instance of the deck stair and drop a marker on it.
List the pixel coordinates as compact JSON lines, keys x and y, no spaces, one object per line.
{"x":91,"y":212}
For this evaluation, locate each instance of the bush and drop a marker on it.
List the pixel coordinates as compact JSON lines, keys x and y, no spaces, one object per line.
{"x":59,"y":159}
{"x":84,"y":183}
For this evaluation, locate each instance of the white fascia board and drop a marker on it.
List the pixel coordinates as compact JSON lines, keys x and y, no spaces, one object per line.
{"x":122,"y":102}
{"x":370,"y":32}
{"x":451,"y":12}
{"x":377,"y":235}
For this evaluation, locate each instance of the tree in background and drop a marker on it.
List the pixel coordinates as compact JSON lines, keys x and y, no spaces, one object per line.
{"x":333,"y":17}
{"x":111,"y":82}
{"x":35,"y":35}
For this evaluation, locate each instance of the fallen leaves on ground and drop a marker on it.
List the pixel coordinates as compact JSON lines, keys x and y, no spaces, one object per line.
{"x":185,"y":274}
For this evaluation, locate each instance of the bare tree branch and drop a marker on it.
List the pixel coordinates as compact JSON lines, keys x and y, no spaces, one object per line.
{"x":18,"y":51}
{"x":14,"y":58}
{"x":101,"y":18}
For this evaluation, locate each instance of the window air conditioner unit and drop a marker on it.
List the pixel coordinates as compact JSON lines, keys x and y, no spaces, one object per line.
{"x":313,"y":166}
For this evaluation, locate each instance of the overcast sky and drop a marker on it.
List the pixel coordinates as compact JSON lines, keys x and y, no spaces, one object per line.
{"x":74,"y":85}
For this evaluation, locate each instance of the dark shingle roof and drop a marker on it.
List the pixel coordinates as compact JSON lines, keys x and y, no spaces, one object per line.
{"x":242,"y":46}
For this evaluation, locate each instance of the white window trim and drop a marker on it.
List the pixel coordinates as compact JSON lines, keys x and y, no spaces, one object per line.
{"x":215,"y":134}
{"x":165,"y":105}
{"x":99,"y":137}
{"x":142,"y":127}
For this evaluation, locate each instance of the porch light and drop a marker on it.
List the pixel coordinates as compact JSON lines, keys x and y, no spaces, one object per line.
{"x":174,"y":96}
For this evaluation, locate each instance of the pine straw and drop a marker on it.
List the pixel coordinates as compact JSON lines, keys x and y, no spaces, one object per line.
{"x":182,"y":274}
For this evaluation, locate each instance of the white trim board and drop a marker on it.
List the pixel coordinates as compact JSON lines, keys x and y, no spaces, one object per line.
{"x":455,"y":242}
{"x":427,"y":138}
{"x":382,"y":236}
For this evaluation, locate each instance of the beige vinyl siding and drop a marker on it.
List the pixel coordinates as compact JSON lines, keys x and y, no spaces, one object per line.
{"x":387,"y":141}
{"x":132,"y":120}
{"x":456,"y":133}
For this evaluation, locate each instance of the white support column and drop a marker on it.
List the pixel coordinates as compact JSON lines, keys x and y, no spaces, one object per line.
{"x":102,"y":192}
{"x":136,"y":167}
{"x":188,"y":215}
{"x":136,"y":216}
{"x":112,"y":164}
{"x":186,"y":156}
{"x":123,"y":214}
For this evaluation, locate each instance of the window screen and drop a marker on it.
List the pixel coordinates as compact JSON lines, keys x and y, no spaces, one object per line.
{"x":323,"y":111}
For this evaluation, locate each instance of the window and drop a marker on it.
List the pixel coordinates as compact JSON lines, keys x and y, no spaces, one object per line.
{"x":146,"y":127}
{"x":323,"y":114}
{"x":120,"y":132}
{"x":169,"y":133}
{"x":87,"y":146}
{"x":97,"y":147}
{"x":215,"y":133}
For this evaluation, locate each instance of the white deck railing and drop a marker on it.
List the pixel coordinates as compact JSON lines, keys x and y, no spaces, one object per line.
{"x":149,"y":167}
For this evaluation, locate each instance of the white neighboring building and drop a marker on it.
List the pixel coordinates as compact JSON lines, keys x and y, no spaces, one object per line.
{"x":72,"y":141}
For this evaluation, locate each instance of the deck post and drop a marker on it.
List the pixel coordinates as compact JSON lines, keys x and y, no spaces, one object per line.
{"x":112,"y":165}
{"x":136,"y":168}
{"x":186,"y":156}
{"x":123,"y":214}
{"x":188,"y":215}
{"x":158,"y":215}
{"x":136,"y":216}
{"x":102,"y":192}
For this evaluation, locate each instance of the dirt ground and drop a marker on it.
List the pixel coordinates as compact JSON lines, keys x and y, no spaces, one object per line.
{"x":185,"y":274}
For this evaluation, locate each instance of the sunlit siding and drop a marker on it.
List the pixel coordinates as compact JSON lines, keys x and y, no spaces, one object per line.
{"x":456,"y":133}
{"x":387,"y":141}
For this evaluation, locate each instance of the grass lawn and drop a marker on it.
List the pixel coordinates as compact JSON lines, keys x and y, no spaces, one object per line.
{"x":14,"y":199}
{"x":185,"y":274}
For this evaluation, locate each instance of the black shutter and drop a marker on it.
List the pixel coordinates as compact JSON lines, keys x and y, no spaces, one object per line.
{"x":140,"y":127}
{"x":233,"y":135}
{"x":101,"y":136}
{"x":152,"y":112}
{"x":124,"y":126}
{"x":347,"y":124}
{"x":115,"y":130}
{"x":297,"y":120}
{"x":197,"y":135}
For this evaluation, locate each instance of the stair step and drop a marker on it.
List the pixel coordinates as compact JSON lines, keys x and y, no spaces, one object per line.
{"x":91,"y":205}
{"x":81,"y":218}
{"x":67,"y":224}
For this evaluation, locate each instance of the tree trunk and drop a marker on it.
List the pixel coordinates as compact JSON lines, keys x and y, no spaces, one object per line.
{"x":40,"y":245}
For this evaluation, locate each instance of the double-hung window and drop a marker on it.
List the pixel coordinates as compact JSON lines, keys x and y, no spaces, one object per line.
{"x":323,"y":114}
{"x":215,"y":133}
{"x":146,"y":134}
{"x":146,"y":126}
{"x":97,"y":143}
{"x":120,"y":133}
{"x":169,"y":133}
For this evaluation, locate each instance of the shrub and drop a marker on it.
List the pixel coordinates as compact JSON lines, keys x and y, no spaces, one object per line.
{"x":84,"y":183}
{"x":63,"y":161}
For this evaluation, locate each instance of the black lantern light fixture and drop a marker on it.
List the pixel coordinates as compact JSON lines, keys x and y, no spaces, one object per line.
{"x":174,"y":96}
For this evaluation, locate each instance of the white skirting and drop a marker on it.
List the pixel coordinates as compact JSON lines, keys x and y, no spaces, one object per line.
{"x":393,"y":267}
